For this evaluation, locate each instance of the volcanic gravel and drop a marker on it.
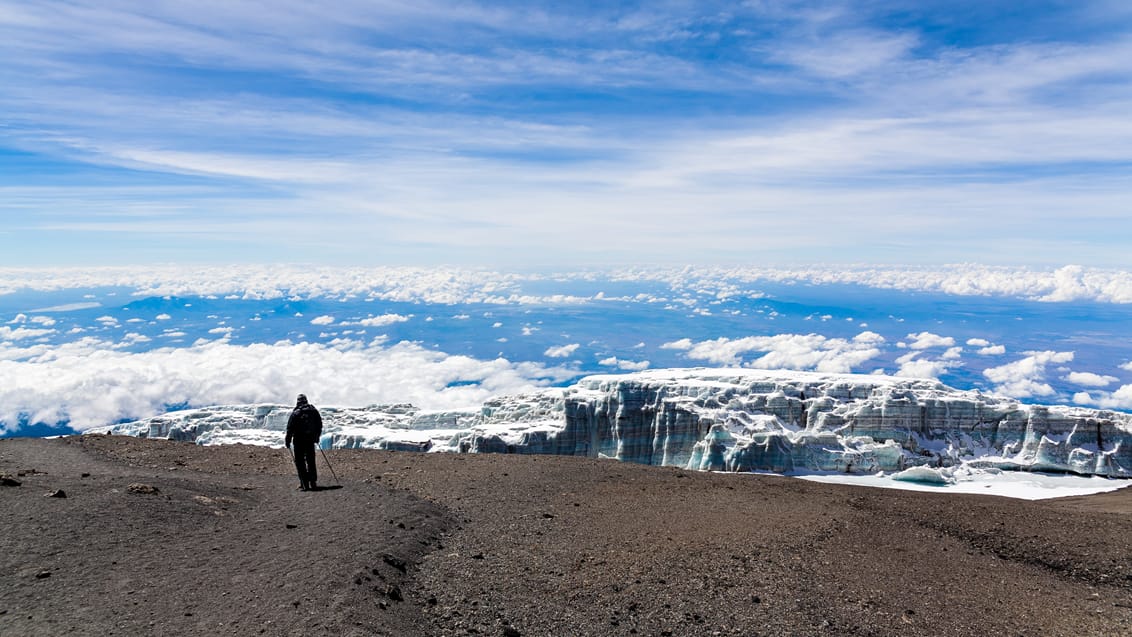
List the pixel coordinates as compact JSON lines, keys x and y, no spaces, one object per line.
{"x":154,"y":537}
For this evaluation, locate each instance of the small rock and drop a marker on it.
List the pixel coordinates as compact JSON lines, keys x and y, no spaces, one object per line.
{"x":9,"y":481}
{"x":477,"y":556}
{"x":57,"y":493}
{"x":393,"y":592}
{"x":43,"y":575}
{"x":292,"y":526}
{"x":510,"y":631}
{"x":547,"y":516}
{"x":139,"y":487}
{"x":395,"y":562}
{"x":84,"y":475}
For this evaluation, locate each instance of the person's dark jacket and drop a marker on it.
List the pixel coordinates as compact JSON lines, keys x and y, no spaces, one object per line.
{"x":304,"y":425}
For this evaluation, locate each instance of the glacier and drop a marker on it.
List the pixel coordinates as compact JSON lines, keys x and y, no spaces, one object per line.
{"x":737,"y":420}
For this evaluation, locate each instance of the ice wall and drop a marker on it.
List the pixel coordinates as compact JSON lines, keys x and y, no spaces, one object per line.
{"x":720,"y":420}
{"x":748,"y":420}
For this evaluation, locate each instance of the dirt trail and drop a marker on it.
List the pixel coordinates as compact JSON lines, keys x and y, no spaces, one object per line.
{"x":439,"y":544}
{"x":231,"y":553}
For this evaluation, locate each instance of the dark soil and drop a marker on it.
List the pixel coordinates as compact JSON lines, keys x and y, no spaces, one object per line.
{"x":164,"y":538}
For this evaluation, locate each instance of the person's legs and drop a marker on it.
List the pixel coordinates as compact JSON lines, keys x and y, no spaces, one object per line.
{"x":312,"y":468}
{"x":300,"y":466}
{"x":309,"y":471}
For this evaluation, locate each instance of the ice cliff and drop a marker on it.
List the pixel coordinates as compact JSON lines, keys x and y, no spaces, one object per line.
{"x":719,"y":420}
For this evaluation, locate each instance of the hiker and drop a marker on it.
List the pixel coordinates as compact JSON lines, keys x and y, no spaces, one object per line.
{"x":305,"y":428}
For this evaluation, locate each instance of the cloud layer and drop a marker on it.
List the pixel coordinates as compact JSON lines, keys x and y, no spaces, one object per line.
{"x":785,"y":351}
{"x":92,"y":382}
{"x":110,"y":343}
{"x":451,"y":285}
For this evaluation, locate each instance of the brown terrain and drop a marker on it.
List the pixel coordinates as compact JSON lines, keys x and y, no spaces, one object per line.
{"x":164,"y":538}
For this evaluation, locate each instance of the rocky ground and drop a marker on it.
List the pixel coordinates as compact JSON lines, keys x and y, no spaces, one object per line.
{"x":164,"y":538}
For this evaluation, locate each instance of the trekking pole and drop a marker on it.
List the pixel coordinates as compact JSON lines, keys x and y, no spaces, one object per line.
{"x":291,"y":453}
{"x":327,"y":461}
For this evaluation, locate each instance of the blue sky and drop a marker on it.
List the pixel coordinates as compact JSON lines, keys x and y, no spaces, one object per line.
{"x":576,"y":134}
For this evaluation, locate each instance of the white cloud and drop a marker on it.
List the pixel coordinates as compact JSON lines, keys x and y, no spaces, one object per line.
{"x":952,"y":353}
{"x":1089,"y":379}
{"x":162,"y":317}
{"x":1025,"y":378}
{"x":978,"y":342}
{"x":1071,"y":282}
{"x":631,"y":366}
{"x":906,"y":358}
{"x":91,"y":383}
{"x":21,"y":333}
{"x":323,"y":320}
{"x":1119,"y":399}
{"x":913,"y":366}
{"x":923,"y":369}
{"x":1126,"y":366}
{"x":790,"y":351}
{"x":869,"y":337}
{"x":452,"y":285}
{"x":992,"y":350}
{"x":562,"y":351}
{"x":686,"y":344}
{"x":926,"y":340}
{"x":381,"y":321}
{"x":69,"y":307}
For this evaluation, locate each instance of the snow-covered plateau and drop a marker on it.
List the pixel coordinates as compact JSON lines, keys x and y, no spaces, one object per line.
{"x":739,"y":420}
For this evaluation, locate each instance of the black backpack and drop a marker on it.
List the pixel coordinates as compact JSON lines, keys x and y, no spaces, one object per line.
{"x":306,"y":424}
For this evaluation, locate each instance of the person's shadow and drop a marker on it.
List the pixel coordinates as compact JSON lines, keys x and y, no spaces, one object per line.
{"x":330,"y":488}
